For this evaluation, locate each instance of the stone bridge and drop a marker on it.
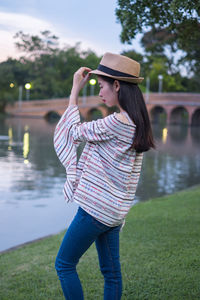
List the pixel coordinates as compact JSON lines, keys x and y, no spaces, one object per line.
{"x":173,"y":107}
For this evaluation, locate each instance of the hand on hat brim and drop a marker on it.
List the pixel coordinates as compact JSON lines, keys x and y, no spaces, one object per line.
{"x":81,"y":76}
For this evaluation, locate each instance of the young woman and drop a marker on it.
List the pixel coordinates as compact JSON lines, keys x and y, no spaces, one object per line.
{"x":104,"y":180}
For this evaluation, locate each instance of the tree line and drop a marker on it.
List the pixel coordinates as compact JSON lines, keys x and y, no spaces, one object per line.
{"x":48,"y":68}
{"x":167,"y":27}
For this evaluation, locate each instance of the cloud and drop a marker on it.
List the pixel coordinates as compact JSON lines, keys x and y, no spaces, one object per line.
{"x":10,"y":23}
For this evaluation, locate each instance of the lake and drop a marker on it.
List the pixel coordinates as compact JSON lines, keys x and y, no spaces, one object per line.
{"x":31,"y":177}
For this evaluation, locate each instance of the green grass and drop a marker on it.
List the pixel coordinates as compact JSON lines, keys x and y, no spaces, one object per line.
{"x":160,"y":256}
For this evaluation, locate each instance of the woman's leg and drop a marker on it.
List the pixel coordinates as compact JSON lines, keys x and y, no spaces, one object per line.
{"x":107,"y":245}
{"x":82,"y":232}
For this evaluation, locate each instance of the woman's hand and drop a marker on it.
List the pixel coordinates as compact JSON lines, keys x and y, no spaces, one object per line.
{"x":81,"y":76}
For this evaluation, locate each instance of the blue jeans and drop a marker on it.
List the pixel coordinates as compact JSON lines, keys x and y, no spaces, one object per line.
{"x":83,"y":231}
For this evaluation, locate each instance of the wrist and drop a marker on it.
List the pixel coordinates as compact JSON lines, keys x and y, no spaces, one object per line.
{"x":74,"y":93}
{"x":73,"y":99}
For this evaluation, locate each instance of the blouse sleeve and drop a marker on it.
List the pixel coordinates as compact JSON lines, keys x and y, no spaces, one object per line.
{"x":93,"y":131}
{"x":70,"y":132}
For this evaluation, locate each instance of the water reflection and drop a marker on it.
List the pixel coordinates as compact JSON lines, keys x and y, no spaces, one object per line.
{"x":164,"y":135}
{"x":31,"y":177}
{"x":174,"y":165}
{"x":26,"y":145}
{"x":178,"y":133}
{"x":195,"y":135}
{"x":10,"y":135}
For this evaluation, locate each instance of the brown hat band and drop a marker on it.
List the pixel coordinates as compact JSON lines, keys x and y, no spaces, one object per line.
{"x":113,"y":72}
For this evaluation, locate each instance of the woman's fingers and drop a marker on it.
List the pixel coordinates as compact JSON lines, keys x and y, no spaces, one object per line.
{"x":85,"y":69}
{"x":82,"y":71}
{"x":81,"y":76}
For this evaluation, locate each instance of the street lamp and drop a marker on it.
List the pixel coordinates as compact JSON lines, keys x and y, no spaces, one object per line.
{"x":160,"y":78}
{"x":147,"y":89}
{"x":27,"y":87}
{"x":92,"y":83}
{"x":12,"y":85}
{"x":20,"y":95}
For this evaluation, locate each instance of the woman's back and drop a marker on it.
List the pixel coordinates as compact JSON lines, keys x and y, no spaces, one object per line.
{"x":105,"y":179}
{"x":123,"y":118}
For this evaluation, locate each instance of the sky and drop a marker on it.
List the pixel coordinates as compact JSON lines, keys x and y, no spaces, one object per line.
{"x":93,"y":23}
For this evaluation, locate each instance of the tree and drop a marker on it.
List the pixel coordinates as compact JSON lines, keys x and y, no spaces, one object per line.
{"x":154,"y":65}
{"x":49,"y":69}
{"x":174,"y":23}
{"x":12,"y":72}
{"x":171,"y":82}
{"x":34,"y":45}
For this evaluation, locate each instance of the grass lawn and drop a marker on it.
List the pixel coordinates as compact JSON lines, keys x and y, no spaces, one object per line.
{"x":160,"y":256}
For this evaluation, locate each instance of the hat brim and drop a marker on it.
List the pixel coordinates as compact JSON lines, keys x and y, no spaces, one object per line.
{"x":128,"y":79}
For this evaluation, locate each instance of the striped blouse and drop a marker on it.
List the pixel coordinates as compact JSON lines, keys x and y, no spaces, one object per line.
{"x":104,"y":180}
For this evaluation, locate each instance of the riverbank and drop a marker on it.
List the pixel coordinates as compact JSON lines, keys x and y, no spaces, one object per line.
{"x":160,"y":256}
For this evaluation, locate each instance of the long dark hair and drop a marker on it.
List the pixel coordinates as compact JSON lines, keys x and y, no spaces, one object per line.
{"x":131,"y":100}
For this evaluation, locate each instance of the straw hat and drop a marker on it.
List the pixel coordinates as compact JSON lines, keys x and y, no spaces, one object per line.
{"x":119,"y":67}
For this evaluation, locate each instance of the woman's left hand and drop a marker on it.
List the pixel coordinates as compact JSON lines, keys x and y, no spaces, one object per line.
{"x":81,"y":76}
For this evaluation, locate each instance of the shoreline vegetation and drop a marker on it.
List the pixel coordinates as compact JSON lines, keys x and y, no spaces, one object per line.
{"x":160,"y":256}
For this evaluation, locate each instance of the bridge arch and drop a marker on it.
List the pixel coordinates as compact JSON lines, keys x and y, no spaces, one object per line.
{"x":52,"y":115}
{"x":179,"y":115}
{"x":196,"y":118}
{"x":94,"y":114}
{"x":158,"y":114}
